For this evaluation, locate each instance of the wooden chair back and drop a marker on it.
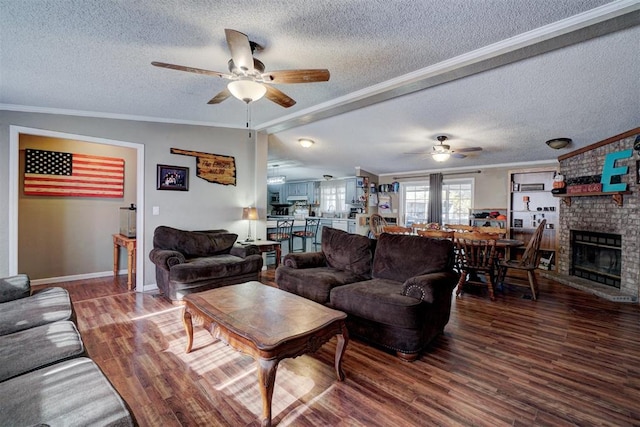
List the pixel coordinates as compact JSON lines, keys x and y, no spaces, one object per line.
{"x":376,"y":223}
{"x":476,"y":251}
{"x":495,"y":230}
{"x":530,"y":256}
{"x":437,"y":234}
{"x":397,"y":229}
{"x":459,"y":227}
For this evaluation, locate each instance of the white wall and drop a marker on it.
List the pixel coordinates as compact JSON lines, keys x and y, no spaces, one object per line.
{"x":205,"y":205}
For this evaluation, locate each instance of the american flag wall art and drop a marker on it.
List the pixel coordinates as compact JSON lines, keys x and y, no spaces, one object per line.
{"x":54,"y":173}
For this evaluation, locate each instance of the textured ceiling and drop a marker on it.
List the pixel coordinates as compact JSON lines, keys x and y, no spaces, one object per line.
{"x":505,"y":75}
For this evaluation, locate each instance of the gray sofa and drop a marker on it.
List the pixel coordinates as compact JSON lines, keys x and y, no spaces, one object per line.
{"x":46,"y":377}
{"x":396,"y":291}
{"x":195,"y":261}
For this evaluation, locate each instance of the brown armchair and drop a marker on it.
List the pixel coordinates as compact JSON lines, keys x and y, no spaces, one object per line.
{"x":195,"y":261}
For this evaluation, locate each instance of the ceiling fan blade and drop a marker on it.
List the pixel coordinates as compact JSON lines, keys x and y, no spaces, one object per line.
{"x":279,"y":97}
{"x":468,"y":150}
{"x":220,"y":97}
{"x":458,"y":155}
{"x":191,"y":69}
{"x":423,"y":153}
{"x":296,"y":76}
{"x":240,"y":50}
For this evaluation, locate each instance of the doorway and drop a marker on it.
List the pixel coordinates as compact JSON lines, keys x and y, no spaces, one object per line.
{"x":14,"y":180}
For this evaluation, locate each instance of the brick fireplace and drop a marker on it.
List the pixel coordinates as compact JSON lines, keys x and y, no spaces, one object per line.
{"x":602,"y":214}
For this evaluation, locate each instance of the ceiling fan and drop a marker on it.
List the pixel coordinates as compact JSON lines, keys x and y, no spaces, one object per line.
{"x":249,"y":82}
{"x":441,"y":152}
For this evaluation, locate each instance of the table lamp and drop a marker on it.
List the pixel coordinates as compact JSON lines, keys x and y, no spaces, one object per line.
{"x":252,"y":215}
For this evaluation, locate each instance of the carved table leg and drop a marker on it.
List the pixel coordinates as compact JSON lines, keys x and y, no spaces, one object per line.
{"x":188,"y":327}
{"x":341,"y":347}
{"x":266,"y":381}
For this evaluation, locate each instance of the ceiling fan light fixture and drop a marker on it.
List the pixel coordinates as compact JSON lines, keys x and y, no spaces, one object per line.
{"x":558,"y":143}
{"x":306,"y":143}
{"x":247,"y":90}
{"x":441,"y":156}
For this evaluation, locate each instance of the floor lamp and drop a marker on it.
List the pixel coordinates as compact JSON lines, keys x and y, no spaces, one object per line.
{"x":250,"y":214}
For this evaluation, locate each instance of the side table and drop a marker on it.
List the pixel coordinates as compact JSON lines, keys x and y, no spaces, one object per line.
{"x":130,"y":244}
{"x":267,"y":246}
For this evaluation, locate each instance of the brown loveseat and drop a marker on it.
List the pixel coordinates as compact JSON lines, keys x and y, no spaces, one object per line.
{"x":194,"y":261}
{"x":396,"y":290}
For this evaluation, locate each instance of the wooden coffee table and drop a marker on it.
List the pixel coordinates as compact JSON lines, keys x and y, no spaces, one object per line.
{"x":269,"y":325}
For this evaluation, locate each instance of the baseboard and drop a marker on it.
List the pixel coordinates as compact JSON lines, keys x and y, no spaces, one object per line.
{"x":60,"y":279}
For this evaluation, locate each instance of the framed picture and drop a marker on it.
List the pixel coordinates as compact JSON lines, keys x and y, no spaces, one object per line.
{"x":173,"y":178}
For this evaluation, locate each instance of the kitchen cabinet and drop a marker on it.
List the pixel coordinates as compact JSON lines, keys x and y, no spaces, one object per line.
{"x":530,"y":202}
{"x":350,"y":191}
{"x":296,"y":189}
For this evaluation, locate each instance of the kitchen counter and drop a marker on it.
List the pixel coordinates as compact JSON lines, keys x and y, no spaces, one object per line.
{"x":272,"y":222}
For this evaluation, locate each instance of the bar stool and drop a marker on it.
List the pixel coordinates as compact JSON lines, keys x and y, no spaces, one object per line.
{"x":310,"y":232}
{"x":284,"y":231}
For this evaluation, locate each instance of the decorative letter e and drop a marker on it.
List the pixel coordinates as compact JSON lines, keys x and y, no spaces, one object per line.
{"x":609,"y":169}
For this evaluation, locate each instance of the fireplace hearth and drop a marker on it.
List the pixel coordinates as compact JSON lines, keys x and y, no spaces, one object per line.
{"x":597,"y":257}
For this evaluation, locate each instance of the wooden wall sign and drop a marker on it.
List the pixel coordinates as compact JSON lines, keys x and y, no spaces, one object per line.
{"x":212,"y":167}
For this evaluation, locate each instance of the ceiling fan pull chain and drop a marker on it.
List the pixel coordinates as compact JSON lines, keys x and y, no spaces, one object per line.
{"x":249,"y":117}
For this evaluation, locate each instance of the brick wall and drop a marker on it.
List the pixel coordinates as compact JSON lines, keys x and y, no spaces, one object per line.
{"x":600,"y":213}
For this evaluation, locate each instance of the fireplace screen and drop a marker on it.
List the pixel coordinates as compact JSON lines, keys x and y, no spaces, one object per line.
{"x":596,"y":257}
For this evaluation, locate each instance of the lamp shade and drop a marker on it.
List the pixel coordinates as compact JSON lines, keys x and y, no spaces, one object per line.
{"x":246,"y":90}
{"x":250,"y":213}
{"x":440,"y":157}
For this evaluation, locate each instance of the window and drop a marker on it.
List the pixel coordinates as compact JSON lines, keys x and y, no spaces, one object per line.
{"x":415,"y":203}
{"x":333,"y":196}
{"x":457,"y":199}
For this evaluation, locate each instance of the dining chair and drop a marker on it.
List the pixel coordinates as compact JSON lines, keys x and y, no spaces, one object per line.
{"x":528,"y":262}
{"x":501,"y":232}
{"x":437,"y":234}
{"x":425,"y":226}
{"x":310,"y":232}
{"x":397,"y":229}
{"x":376,"y":222}
{"x":460,"y":227}
{"x":284,"y":231}
{"x":476,"y":254}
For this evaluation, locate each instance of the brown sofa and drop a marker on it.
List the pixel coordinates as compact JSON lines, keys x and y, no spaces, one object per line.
{"x":194,"y":261}
{"x":396,"y":290}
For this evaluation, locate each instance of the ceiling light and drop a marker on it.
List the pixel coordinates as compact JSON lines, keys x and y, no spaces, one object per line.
{"x":306,"y":143}
{"x":327,"y":177}
{"x":246,"y":90}
{"x":278,"y":179}
{"x":558,"y":143}
{"x":440,"y":157}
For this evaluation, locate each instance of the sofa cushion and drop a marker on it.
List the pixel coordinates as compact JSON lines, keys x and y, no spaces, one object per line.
{"x":14,"y":287}
{"x":219,"y":266}
{"x":313,"y":283}
{"x":193,"y":243}
{"x":345,"y":251}
{"x":47,"y":306}
{"x":37,"y":347}
{"x":399,"y":257}
{"x":378,"y":300}
{"x":70,"y":393}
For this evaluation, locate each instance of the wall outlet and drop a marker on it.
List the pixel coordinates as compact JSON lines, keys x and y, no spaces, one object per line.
{"x":156,"y":210}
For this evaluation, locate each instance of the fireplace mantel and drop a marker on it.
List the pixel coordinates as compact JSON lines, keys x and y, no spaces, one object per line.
{"x":618,"y":196}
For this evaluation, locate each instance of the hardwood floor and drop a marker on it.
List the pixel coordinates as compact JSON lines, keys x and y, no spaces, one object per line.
{"x":569,"y":358}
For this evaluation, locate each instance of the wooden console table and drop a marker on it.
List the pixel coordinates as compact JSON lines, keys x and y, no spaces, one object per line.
{"x":130,"y":244}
